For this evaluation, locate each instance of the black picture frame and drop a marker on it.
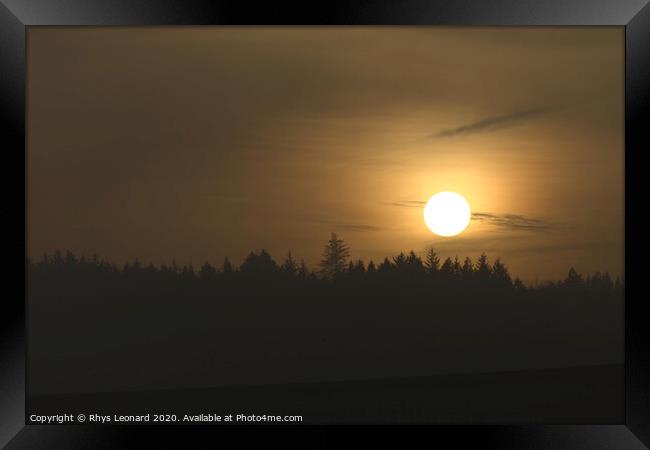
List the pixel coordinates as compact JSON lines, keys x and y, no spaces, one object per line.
{"x":633,"y":15}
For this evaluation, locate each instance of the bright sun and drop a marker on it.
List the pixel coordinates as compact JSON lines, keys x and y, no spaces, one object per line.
{"x":447,"y":213}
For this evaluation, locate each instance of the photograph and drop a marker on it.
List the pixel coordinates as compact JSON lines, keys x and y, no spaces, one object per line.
{"x":325,"y":224}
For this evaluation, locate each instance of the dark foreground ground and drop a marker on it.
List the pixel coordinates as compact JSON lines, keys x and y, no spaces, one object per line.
{"x":593,"y":395}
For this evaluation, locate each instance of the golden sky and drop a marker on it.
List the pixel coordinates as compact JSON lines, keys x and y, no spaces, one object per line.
{"x":199,"y":142}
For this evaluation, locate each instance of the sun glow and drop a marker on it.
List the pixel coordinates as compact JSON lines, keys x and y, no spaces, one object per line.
{"x":447,"y":214}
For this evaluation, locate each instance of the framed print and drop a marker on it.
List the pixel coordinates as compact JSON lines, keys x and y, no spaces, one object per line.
{"x":264,"y":217}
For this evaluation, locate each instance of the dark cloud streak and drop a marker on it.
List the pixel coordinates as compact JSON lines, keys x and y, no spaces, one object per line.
{"x":354,"y":227}
{"x":357,"y":227}
{"x":510,"y":221}
{"x":407,"y":203}
{"x":496,"y":122}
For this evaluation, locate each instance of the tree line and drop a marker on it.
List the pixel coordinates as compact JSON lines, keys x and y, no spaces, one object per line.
{"x":344,"y":318}
{"x":334,"y":266}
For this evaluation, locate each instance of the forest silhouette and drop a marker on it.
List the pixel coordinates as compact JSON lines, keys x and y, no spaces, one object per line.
{"x":267,"y":322}
{"x":335,"y":267}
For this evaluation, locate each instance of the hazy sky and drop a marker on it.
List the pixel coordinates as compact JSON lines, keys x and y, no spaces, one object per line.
{"x":199,"y":142}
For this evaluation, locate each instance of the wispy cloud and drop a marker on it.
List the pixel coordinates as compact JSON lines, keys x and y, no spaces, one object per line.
{"x":496,"y":122}
{"x":511,"y":221}
{"x":354,"y":227}
{"x":407,"y":203}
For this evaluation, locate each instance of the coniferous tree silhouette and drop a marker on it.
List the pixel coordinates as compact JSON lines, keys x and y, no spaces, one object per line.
{"x":207,"y":272}
{"x":456,"y":268}
{"x":335,"y":256}
{"x":227,"y":268}
{"x":447,"y":268}
{"x":467,"y":270}
{"x":258,"y":265}
{"x":483,"y":269}
{"x":289,"y":266}
{"x":500,"y":273}
{"x":399,"y":262}
{"x":518,"y":284}
{"x":359,"y":268}
{"x":385,"y":267}
{"x":414,"y":264}
{"x":573,"y":278}
{"x":431,"y":261}
{"x":303,"y":271}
